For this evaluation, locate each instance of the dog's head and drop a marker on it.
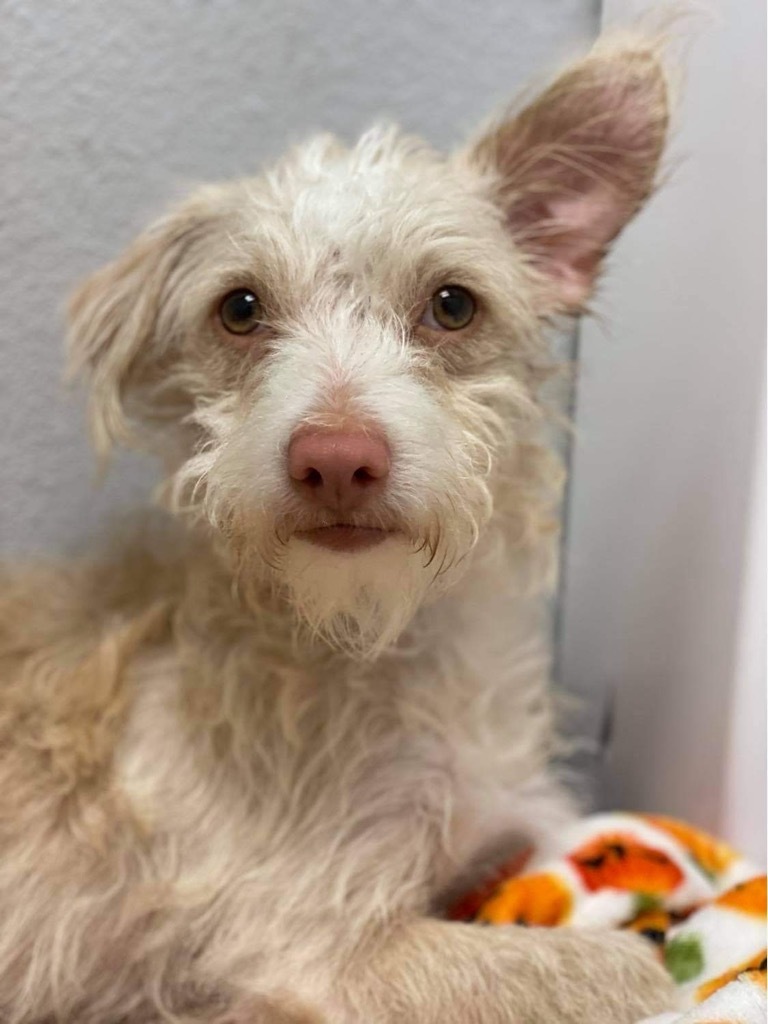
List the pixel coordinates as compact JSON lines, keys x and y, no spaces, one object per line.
{"x":341,"y":357}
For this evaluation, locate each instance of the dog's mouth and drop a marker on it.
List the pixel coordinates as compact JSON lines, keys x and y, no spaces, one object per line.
{"x":345,"y":536}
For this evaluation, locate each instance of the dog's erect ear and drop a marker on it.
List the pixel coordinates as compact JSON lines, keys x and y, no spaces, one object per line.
{"x":121,"y":326}
{"x":574,"y":166}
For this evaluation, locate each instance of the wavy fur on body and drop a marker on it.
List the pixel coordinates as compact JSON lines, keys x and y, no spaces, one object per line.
{"x":237,"y":774}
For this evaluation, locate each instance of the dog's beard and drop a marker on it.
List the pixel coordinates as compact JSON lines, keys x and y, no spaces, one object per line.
{"x":359,"y":602}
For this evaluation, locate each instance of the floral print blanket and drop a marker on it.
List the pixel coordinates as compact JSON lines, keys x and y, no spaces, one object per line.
{"x":695,"y":898}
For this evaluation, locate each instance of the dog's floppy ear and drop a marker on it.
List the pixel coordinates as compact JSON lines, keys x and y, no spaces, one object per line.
{"x":574,"y":166}
{"x":122,"y":326}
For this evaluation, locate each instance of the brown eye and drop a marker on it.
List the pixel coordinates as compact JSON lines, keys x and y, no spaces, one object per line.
{"x":450,"y":309}
{"x":241,"y":312}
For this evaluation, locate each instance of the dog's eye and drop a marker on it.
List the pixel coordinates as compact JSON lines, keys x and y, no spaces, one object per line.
{"x":241,"y":312}
{"x":450,"y":309}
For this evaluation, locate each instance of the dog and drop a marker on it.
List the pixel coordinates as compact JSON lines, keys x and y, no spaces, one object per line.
{"x":241,"y":763}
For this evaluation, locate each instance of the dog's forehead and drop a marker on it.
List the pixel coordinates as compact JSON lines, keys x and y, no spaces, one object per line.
{"x":388,"y":188}
{"x":383,"y":220}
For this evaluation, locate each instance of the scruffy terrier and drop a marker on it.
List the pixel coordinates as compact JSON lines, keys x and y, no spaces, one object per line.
{"x":237,"y":774}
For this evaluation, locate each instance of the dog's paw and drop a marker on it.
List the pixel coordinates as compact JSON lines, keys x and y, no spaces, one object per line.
{"x":608,"y":978}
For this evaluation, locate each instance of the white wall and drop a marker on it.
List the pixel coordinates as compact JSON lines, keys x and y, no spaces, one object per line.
{"x":109,"y":109}
{"x":664,"y":587}
{"x":743,"y":803}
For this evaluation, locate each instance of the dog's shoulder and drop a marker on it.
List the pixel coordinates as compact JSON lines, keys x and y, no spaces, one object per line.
{"x":67,"y":606}
{"x":69,"y":633}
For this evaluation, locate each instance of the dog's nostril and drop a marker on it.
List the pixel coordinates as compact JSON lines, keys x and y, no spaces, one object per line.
{"x":313,"y":477}
{"x":337,"y":468}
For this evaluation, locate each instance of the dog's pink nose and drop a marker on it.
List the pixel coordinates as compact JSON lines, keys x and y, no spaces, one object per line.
{"x":338,"y":469}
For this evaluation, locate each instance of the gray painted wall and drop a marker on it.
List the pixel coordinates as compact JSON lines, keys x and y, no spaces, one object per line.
{"x":111,"y":109}
{"x":664,"y":605}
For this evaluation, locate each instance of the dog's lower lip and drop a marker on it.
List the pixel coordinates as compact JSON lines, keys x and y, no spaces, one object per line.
{"x":345,"y":537}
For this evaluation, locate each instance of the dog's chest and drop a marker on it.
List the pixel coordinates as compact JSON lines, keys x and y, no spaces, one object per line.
{"x":278,"y":796}
{"x":299,"y":807}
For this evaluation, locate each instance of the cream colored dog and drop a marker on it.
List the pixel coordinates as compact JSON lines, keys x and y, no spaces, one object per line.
{"x":236,"y":775}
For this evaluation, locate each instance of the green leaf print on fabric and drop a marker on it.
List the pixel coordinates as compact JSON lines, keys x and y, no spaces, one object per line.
{"x":683,"y":958}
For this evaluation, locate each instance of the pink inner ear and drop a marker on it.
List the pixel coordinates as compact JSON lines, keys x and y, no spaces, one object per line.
{"x":570,"y":235}
{"x":574,"y":166}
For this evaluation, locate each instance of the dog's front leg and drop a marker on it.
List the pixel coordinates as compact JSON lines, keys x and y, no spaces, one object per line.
{"x":432,"y":972}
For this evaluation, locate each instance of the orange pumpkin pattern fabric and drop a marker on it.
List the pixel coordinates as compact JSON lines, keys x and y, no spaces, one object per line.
{"x":712,"y":855}
{"x":542,"y":900}
{"x":748,"y":898}
{"x":619,"y":861}
{"x":693,"y":896}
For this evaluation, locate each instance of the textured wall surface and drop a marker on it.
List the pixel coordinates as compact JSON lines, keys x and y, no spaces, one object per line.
{"x":664,"y":610}
{"x":110,"y":110}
